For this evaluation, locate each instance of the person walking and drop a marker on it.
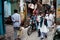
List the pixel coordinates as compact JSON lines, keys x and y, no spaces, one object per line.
{"x":38,"y":24}
{"x":50,"y":20}
{"x":16,"y":19}
{"x":43,"y":27}
{"x":34,"y":26}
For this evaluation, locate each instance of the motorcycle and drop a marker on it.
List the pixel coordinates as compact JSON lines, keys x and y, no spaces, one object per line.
{"x":57,"y":34}
{"x":32,"y":27}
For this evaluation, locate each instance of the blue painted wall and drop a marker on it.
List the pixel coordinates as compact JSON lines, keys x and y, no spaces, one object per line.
{"x":2,"y":28}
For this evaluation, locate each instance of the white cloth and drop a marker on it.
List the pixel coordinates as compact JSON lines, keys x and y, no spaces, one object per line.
{"x":44,"y":28}
{"x":39,"y":26}
{"x":53,"y":17}
{"x":58,"y":26}
{"x":31,"y":6}
{"x":35,"y":6}
{"x":52,"y":6}
{"x":50,"y":20}
{"x":53,"y":14}
{"x":38,"y":19}
{"x":16,"y":17}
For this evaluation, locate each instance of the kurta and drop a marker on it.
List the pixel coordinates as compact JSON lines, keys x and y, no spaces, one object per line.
{"x":50,"y":20}
{"x":43,"y":27}
{"x":38,"y":19}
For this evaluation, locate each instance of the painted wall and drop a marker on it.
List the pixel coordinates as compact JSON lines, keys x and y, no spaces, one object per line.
{"x":14,"y":5}
{"x":2,"y":28}
{"x":7,"y":9}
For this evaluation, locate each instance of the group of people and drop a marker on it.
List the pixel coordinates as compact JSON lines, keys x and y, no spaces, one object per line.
{"x":42,"y":17}
{"x":45,"y":22}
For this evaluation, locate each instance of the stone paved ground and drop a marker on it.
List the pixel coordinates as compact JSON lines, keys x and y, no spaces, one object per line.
{"x":9,"y":32}
{"x":33,"y":36}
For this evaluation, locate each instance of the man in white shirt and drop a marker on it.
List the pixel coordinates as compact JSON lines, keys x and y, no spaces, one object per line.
{"x":50,"y":20}
{"x":16,"y":22}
